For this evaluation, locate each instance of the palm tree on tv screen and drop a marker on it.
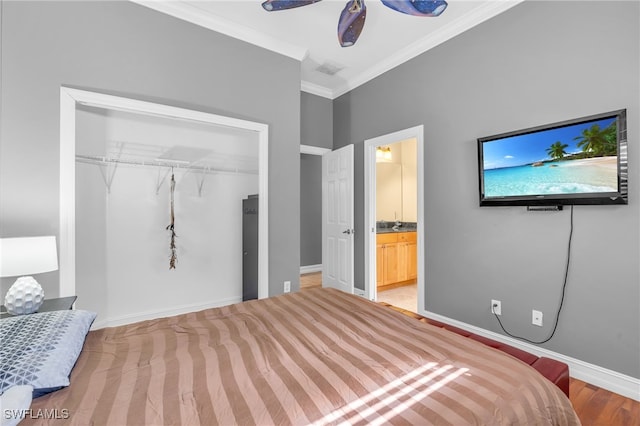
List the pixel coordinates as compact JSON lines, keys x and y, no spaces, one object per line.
{"x":557,"y":150}
{"x":596,"y":142}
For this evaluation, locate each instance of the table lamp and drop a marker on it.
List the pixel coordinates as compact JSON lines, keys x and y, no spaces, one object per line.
{"x":22,"y":257}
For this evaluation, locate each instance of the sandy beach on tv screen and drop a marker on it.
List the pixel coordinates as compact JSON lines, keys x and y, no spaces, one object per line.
{"x":610,"y":162}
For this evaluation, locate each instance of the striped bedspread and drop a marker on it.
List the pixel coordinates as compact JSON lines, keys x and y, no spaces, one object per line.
{"x":313,"y":357}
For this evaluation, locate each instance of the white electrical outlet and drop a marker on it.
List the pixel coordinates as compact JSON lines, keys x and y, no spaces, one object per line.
{"x":287,"y":286}
{"x":496,"y":307}
{"x":536,"y":318}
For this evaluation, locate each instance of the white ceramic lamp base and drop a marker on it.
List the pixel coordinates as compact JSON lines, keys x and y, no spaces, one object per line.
{"x":24,"y":297}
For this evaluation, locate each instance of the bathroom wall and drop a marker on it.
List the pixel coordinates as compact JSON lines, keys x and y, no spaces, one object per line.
{"x":396,"y":184}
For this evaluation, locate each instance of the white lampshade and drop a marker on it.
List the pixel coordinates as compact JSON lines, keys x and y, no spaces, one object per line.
{"x":27,"y":255}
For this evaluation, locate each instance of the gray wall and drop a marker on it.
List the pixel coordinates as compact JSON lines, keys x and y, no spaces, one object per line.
{"x":310,"y":210}
{"x":129,"y":50}
{"x":538,"y":63}
{"x":316,"y":129}
{"x":316,"y":121}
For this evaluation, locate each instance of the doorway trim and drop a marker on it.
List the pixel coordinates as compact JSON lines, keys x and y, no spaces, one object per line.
{"x":370,"y":145}
{"x":69,"y":101}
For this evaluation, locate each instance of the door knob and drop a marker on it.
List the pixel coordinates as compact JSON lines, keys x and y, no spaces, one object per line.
{"x":348,"y":231}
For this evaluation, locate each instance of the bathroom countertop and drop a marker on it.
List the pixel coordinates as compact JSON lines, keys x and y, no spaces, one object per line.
{"x":391,"y":230}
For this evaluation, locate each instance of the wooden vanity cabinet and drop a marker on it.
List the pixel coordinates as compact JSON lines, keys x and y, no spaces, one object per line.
{"x":396,"y":258}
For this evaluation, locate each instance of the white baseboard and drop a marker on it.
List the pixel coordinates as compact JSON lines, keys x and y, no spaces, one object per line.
{"x":310,"y":268}
{"x":161,"y":313}
{"x":610,"y":380}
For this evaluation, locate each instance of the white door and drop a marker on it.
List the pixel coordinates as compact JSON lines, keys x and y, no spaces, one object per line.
{"x":337,"y":219}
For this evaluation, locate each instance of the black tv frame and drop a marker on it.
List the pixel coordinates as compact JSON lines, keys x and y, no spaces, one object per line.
{"x":608,"y":198}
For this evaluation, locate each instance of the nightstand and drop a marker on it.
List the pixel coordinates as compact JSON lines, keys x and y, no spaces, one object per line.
{"x":57,"y":304}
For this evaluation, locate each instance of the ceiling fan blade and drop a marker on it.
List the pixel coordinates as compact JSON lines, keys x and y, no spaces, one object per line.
{"x":351,"y":22}
{"x":274,"y":5}
{"x":417,"y":7}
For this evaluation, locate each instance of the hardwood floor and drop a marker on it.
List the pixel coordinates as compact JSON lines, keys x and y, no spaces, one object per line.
{"x":311,"y":280}
{"x":598,"y":407}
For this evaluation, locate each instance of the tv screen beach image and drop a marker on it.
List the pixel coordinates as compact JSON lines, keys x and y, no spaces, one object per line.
{"x":576,"y":159}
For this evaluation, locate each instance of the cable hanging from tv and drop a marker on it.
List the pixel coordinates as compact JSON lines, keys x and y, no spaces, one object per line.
{"x":564,"y":288}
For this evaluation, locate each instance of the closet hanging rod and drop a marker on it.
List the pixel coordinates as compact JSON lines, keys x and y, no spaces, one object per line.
{"x":98,"y":160}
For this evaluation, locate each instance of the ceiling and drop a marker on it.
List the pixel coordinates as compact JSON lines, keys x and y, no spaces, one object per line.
{"x":309,"y":34}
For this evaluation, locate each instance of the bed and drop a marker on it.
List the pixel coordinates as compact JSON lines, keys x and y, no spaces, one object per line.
{"x":318,"y":356}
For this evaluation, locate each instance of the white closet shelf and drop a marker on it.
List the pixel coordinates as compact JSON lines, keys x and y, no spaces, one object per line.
{"x":163,"y":163}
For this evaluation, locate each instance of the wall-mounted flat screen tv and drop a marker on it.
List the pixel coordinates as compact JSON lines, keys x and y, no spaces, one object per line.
{"x":579,"y":161}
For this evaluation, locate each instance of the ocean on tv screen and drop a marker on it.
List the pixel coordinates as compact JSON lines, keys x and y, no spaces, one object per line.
{"x":580,"y":176}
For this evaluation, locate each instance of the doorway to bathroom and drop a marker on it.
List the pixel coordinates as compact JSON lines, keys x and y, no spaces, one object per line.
{"x":394,"y":205}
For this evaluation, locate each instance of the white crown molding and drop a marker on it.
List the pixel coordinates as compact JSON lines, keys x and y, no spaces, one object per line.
{"x":203,"y":18}
{"x":605,"y":378}
{"x":190,"y":13}
{"x":316,"y":89}
{"x":460,"y":25}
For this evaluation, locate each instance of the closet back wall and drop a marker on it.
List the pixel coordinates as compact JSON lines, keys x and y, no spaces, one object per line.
{"x":121,"y":238}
